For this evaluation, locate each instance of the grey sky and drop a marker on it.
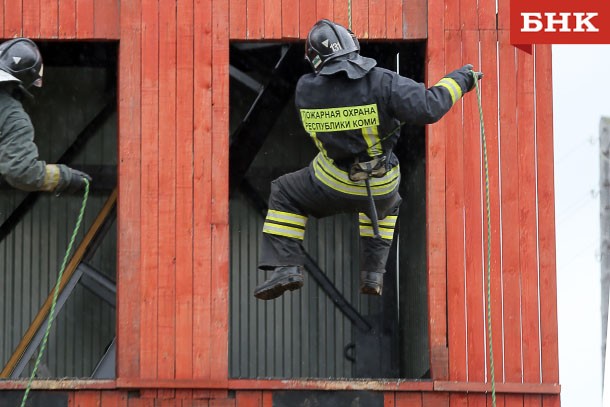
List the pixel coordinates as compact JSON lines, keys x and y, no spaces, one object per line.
{"x":581,"y":92}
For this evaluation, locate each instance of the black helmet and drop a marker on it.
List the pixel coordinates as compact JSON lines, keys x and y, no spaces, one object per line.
{"x":21,"y":60}
{"x":326,"y":41}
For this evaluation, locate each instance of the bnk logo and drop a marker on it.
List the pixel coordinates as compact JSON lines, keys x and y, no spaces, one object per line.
{"x":562,"y":22}
{"x":559,"y":22}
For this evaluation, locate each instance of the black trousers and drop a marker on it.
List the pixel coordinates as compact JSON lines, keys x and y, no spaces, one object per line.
{"x":296,"y":196}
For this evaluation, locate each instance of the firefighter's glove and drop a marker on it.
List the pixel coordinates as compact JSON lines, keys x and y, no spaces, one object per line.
{"x":71,"y":180}
{"x":468,"y":69}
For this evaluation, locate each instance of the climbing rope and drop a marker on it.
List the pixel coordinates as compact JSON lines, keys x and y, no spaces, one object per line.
{"x":56,"y":293}
{"x":487,"y":211}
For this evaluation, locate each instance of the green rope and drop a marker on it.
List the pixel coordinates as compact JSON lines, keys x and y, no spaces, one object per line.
{"x":487,"y":210}
{"x":56,"y":293}
{"x":349,"y":14}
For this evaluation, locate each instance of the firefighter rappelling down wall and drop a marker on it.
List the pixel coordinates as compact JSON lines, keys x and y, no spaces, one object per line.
{"x":353,"y":112}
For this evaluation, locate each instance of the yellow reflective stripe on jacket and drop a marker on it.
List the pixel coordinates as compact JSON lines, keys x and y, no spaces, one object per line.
{"x":337,"y":179}
{"x":281,"y":230}
{"x":51,"y":178}
{"x":371,"y":137}
{"x":453,"y":88}
{"x":339,"y":118}
{"x":286,"y":217}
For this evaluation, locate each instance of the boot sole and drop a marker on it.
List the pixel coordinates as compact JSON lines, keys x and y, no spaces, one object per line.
{"x":370,"y":289}
{"x":276,"y":290}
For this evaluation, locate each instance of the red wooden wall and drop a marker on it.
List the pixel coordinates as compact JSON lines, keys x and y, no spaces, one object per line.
{"x":173,"y":196}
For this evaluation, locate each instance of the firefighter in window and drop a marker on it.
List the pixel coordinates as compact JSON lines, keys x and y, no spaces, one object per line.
{"x":21,"y":68}
{"x":353,"y":112}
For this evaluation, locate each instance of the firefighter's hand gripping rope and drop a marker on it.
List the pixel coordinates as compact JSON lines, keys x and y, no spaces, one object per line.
{"x":56,"y":291}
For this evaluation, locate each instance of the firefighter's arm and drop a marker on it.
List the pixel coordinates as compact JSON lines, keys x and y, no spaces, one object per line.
{"x":19,"y":164}
{"x":414,"y":104}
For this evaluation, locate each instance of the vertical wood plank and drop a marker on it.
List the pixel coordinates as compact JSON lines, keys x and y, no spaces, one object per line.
{"x":469,"y":17}
{"x":435,"y":209}
{"x":324,"y":9}
{"x":84,"y":18}
{"x":273,"y":19}
{"x":473,"y":199}
{"x":2,"y":13}
{"x":405,"y":399}
{"x":255,"y":22}
{"x":503,"y":15}
{"x":249,"y":399}
{"x":290,"y":18}
{"x":13,"y":18}
{"x":267,"y":399}
{"x":149,"y":280}
{"x":458,"y":400}
{"x":452,"y":15}
{"x":129,"y":199}
{"x":489,"y":96}
{"x":477,"y":400}
{"x":184,"y":194}
{"x":389,"y":399}
{"x":532,"y":400}
{"x":202,"y":160}
{"x":87,"y":398}
{"x":360,"y":18}
{"x":238,"y":19}
{"x":112,"y":398}
{"x":510,"y":210}
{"x":341,"y":13}
{"x":106,"y":19}
{"x":456,"y":261}
{"x":415,"y":19}
{"x":377,"y":19}
{"x":49,"y":18}
{"x":166,"y":359}
{"x":487,"y":15}
{"x":219,"y":360}
{"x":546,"y":214}
{"x":435,"y":399}
{"x":551,"y":400}
{"x":67,"y":18}
{"x":31,"y":18}
{"x":394,"y":15}
{"x":307,"y":17}
{"x":528,"y":238}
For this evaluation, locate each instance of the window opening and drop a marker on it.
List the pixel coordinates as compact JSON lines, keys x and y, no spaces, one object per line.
{"x":75,"y":122}
{"x":327,"y":328}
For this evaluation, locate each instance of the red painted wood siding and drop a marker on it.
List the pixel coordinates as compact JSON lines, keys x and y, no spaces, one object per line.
{"x":60,"y":19}
{"x":517,"y":108}
{"x":173,"y":163}
{"x":173,"y":197}
{"x":292,"y":19}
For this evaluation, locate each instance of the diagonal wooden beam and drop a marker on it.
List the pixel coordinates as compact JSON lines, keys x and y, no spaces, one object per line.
{"x":79,"y":253}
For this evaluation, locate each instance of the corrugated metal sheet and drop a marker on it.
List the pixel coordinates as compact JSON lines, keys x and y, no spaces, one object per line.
{"x":302,"y":334}
{"x":32,"y":254}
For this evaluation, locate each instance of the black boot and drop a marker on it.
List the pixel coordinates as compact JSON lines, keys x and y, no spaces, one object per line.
{"x":371,"y":282}
{"x":283,"y":278}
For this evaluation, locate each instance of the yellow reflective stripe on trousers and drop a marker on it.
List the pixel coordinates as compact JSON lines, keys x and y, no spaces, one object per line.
{"x":286,"y":217}
{"x":281,"y":230}
{"x":367,"y":231}
{"x":339,"y":180}
{"x":371,"y":137}
{"x":388,"y":221}
{"x":452,"y":86}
